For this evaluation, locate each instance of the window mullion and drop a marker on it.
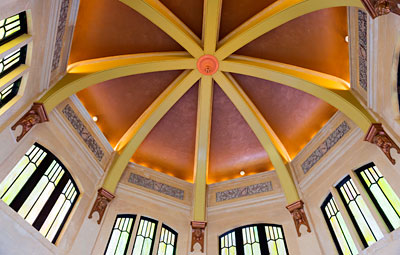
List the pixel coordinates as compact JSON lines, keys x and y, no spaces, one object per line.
{"x":263,"y":239}
{"x":239,"y":242}
{"x":31,"y":183}
{"x":50,"y":202}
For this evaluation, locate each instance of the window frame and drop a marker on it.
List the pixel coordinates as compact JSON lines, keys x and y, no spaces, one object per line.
{"x":173,"y":232}
{"x":372,"y":197}
{"x":26,"y":190}
{"x":261,"y":235}
{"x":23,"y":30}
{"x":130,"y":216}
{"x":154,"y":234}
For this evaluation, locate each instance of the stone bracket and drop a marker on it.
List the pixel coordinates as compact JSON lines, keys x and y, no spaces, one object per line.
{"x":37,"y":114}
{"x":378,"y":136}
{"x":198,"y":229}
{"x":378,"y":8}
{"x":296,"y":209}
{"x":103,"y":199}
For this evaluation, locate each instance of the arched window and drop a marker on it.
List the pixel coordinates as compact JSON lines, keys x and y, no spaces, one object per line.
{"x":121,"y":234}
{"x":145,"y":237}
{"x":258,"y":239}
{"x":41,"y":190}
{"x":167,"y":243}
{"x":381,"y":194}
{"x":359,"y":213}
{"x":10,"y":29}
{"x":339,"y":231}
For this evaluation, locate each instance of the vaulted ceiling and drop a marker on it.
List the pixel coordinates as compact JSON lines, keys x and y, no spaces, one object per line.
{"x":315,"y":41}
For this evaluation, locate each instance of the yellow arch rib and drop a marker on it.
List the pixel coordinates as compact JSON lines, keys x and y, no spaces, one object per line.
{"x":331,"y":89}
{"x":163,"y":18}
{"x":211,"y":23}
{"x":129,"y":143}
{"x":272,"y":17}
{"x":263,"y":132}
{"x":87,"y":73}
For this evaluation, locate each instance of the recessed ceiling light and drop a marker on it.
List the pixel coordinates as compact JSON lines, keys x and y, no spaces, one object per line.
{"x":346,"y":38}
{"x":95,"y":118}
{"x":242,"y":173}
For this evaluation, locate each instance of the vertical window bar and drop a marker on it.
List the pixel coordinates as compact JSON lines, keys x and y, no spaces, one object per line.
{"x":381,"y":194}
{"x":359,"y":213}
{"x":120,"y":235}
{"x":337,"y":227}
{"x":12,"y":27}
{"x":145,"y":237}
{"x":275,"y":240}
{"x":167,"y":243}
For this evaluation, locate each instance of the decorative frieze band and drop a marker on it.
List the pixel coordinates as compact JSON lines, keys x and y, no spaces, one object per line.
{"x":363,"y":49}
{"x":244,"y":191}
{"x":83,"y":132}
{"x":329,"y":142}
{"x":156,"y":186}
{"x":62,"y":22}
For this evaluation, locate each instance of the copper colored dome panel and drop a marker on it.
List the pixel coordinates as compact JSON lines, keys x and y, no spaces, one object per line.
{"x":109,"y":28}
{"x":234,"y":146}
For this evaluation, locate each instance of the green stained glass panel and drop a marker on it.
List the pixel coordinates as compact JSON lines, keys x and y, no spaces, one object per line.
{"x":120,"y":235}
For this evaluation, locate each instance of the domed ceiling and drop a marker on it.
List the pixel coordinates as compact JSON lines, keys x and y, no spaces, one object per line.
{"x":314,"y":41}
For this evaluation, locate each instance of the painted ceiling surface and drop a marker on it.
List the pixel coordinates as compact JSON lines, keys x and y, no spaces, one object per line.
{"x":314,"y":41}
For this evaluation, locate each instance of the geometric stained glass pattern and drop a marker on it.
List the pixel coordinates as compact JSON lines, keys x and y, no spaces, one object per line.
{"x":167,"y":244}
{"x":359,"y":213}
{"x":145,"y":237}
{"x":9,"y":92}
{"x":256,"y":239}
{"x":339,"y":231}
{"x":382,"y":194}
{"x":120,"y":235}
{"x":12,"y":27}
{"x":12,"y":61}
{"x":41,"y":190}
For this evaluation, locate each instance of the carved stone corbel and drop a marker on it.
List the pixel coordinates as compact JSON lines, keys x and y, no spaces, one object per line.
{"x":377,"y":135}
{"x":37,"y":114}
{"x":378,"y":8}
{"x":296,"y":209}
{"x":198,"y":229}
{"x":103,"y":198}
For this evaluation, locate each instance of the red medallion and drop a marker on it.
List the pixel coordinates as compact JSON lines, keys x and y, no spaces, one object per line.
{"x":207,"y":64}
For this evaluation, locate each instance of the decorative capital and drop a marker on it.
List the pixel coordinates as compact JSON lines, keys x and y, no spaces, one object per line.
{"x":37,"y":114}
{"x":103,"y":198}
{"x":198,"y":228}
{"x":377,"y":135}
{"x":296,"y":209}
{"x":378,"y":8}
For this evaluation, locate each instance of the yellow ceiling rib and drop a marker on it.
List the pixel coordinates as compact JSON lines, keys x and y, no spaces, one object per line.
{"x":87,"y":73}
{"x":163,"y":18}
{"x":272,"y":17}
{"x":258,"y":125}
{"x":211,"y":21}
{"x":331,"y":89}
{"x":203,"y":131}
{"x":129,"y":143}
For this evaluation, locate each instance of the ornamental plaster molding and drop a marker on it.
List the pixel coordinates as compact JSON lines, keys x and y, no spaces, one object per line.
{"x":363,"y":49}
{"x":156,"y":186}
{"x":244,"y":191}
{"x":83,"y":132}
{"x":62,"y":22}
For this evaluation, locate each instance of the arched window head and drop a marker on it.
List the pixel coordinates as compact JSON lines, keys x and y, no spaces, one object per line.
{"x":12,"y":27}
{"x":120,"y":234}
{"x":167,"y":243}
{"x":144,"y":241}
{"x":41,"y":190}
{"x":258,"y":239}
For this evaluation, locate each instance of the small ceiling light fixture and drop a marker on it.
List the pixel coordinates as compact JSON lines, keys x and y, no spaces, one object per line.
{"x":242,"y":173}
{"x":95,"y":118}
{"x":346,"y":38}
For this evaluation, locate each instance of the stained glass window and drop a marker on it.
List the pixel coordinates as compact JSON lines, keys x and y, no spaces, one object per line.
{"x":12,"y":27}
{"x":167,"y":244}
{"x":12,"y":61}
{"x":339,"y":231}
{"x":382,"y":194}
{"x":363,"y":221}
{"x":41,"y":190}
{"x":145,"y":237}
{"x":9,"y":92}
{"x":120,"y":235}
{"x":256,"y":239}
